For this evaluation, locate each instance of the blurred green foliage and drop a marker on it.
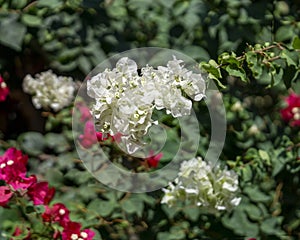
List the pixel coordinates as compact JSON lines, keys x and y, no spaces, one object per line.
{"x":251,"y":48}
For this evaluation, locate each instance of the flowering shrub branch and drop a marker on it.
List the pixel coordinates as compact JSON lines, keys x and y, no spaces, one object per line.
{"x":22,"y":191}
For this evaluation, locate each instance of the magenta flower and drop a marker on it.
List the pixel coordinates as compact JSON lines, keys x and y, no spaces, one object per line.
{"x":101,"y":137}
{"x":5,"y":195}
{"x":291,"y":113}
{"x":4,"y":90}
{"x":58,"y":213}
{"x":153,"y":160}
{"x":84,"y":111}
{"x":72,"y":230}
{"x":116,"y":137}
{"x":23,"y":182}
{"x":88,"y":138}
{"x":13,"y":168}
{"x":40,"y":193}
{"x":12,"y":163}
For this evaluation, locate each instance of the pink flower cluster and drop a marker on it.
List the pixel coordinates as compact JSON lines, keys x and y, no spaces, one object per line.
{"x":91,"y":137}
{"x":291,"y":113}
{"x":4,"y":90}
{"x":58,"y":213}
{"x":13,"y":172}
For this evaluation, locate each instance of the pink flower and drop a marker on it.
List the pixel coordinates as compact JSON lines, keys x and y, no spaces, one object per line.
{"x":13,"y":169}
{"x":57,"y":213}
{"x":5,"y":195}
{"x":56,"y":234}
{"x":40,"y":193}
{"x":23,"y":182}
{"x":153,"y":160}
{"x":91,"y":137}
{"x":12,"y":164}
{"x":84,"y":111}
{"x":4,"y":90}
{"x":88,"y":138}
{"x":72,"y":230}
{"x":292,"y":111}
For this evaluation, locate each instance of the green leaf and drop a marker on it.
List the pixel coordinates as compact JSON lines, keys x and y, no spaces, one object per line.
{"x":196,"y":52}
{"x":271,"y":226}
{"x":84,"y":64}
{"x":54,"y":4}
{"x":102,"y":207}
{"x":254,"y":64}
{"x":133,"y":205}
{"x":57,"y":141}
{"x":18,"y":4}
{"x":32,"y":142}
{"x":40,"y":209}
{"x":31,"y":20}
{"x":12,"y":32}
{"x":213,"y":71}
{"x":64,"y":67}
{"x":247,"y":173}
{"x":192,"y":213}
{"x":278,"y":165}
{"x":296,"y":43}
{"x":253,"y":212}
{"x":284,"y":33}
{"x":55,"y":177}
{"x":52,"y":45}
{"x":171,"y":212}
{"x":290,"y":57}
{"x":264,"y":156}
{"x":256,"y":195}
{"x":235,"y":71}
{"x":240,"y":223}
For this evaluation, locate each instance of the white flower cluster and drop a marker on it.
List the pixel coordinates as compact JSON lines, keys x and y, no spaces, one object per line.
{"x":199,"y":184}
{"x":125,"y":99}
{"x":49,"y":90}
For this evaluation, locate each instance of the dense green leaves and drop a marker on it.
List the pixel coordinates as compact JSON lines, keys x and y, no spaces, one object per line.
{"x":268,"y":65}
{"x":250,"y":48}
{"x":11,"y":31}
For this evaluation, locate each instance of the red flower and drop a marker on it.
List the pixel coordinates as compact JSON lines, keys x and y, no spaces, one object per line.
{"x":88,"y":138}
{"x":57,"y":213}
{"x":72,"y":230}
{"x":12,"y":165}
{"x":19,"y":231}
{"x":4,"y":91}
{"x":116,"y":137}
{"x":5,"y":195}
{"x":292,"y":111}
{"x":40,"y":193}
{"x":153,"y":160}
{"x":100,"y":136}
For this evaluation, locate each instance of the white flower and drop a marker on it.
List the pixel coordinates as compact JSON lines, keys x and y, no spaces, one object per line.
{"x":199,"y":184}
{"x":49,"y":90}
{"x":125,"y":100}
